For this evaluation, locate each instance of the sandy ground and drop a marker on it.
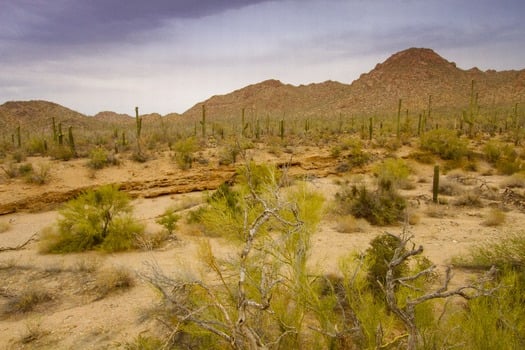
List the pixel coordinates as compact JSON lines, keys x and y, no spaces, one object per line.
{"x":75,"y":319}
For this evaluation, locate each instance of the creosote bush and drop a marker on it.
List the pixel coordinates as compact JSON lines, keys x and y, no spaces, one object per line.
{"x":444,"y":143}
{"x":384,"y":206}
{"x":184,"y":150}
{"x":98,"y":219}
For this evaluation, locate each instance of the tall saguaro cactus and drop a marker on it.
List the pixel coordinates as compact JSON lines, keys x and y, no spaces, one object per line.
{"x":203,"y":121}
{"x":435,"y":184}
{"x":398,"y":122}
{"x":55,"y":132}
{"x":71,"y":141}
{"x":138,"y":121}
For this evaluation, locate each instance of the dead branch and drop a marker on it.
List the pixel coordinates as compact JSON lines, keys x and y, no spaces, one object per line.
{"x":20,"y":246}
{"x":407,"y":313}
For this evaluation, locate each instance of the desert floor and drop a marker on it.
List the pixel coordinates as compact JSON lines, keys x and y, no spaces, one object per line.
{"x":78,"y":316}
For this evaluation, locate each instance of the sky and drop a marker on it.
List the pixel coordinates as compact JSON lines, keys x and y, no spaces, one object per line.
{"x":167,"y":55}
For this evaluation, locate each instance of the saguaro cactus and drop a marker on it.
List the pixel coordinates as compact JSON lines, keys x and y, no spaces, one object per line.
{"x":18,"y":137}
{"x":370,"y":129}
{"x":281,"y":129}
{"x":138,"y":121}
{"x":71,"y":141}
{"x":55,"y":132}
{"x":60,"y":135}
{"x":203,"y":121}
{"x":398,"y":121}
{"x":435,"y":184}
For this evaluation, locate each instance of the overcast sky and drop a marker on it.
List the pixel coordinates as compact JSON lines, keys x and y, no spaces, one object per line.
{"x":166,"y":55}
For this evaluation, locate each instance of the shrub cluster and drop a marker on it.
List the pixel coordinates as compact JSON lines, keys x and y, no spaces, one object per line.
{"x":98,"y":219}
{"x":444,"y":143}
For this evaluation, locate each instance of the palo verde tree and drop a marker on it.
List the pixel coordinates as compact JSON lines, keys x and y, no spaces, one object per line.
{"x":261,"y":297}
{"x":97,"y":219}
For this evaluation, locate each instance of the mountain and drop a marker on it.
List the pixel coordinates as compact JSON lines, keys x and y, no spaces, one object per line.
{"x":414,"y":74}
{"x":274,"y":98}
{"x":411,"y":75}
{"x":38,"y":115}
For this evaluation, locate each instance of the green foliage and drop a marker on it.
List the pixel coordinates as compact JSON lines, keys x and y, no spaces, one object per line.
{"x":169,"y":220}
{"x":100,"y":158}
{"x":506,"y":252}
{"x":184,"y":149}
{"x":393,"y":170}
{"x":377,"y":256}
{"x":97,"y":219}
{"x":381,"y":207}
{"x":498,"y":321}
{"x":445,"y":143}
{"x":144,"y":342}
{"x":36,"y":146}
{"x":272,"y":226}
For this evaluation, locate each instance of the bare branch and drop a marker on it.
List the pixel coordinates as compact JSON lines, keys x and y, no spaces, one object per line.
{"x":21,"y":245}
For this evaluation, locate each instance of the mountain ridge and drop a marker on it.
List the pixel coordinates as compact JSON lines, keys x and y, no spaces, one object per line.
{"x":411,"y":75}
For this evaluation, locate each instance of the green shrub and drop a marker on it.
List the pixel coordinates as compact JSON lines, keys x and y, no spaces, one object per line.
{"x":36,"y":146}
{"x":97,"y":219}
{"x":377,"y":256}
{"x":98,"y":158}
{"x":393,"y":170}
{"x":169,"y":219}
{"x":381,"y":207}
{"x":39,"y":175}
{"x":506,"y":252}
{"x":444,"y":143}
{"x":184,"y":150}
{"x":493,"y":150}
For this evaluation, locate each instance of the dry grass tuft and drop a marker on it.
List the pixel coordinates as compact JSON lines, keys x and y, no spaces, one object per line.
{"x":27,"y":300}
{"x":349,"y":224}
{"x":111,"y":280}
{"x":495,"y":217}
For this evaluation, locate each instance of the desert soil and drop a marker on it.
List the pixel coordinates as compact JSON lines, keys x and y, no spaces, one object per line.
{"x":75,"y":318}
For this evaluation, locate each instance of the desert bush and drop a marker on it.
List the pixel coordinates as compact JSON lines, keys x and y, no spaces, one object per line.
{"x":27,"y":300}
{"x":377,"y":256}
{"x":39,"y":175}
{"x":514,"y":181}
{"x":469,"y":199}
{"x":497,"y":322}
{"x":229,"y":153}
{"x":97,"y":219}
{"x":36,"y":146}
{"x":495,"y":217}
{"x":381,"y":207}
{"x":263,"y":289}
{"x":144,"y":342}
{"x":169,"y":220}
{"x":445,"y":143}
{"x":493,"y":151}
{"x":506,"y":252}
{"x":503,"y":156}
{"x":184,"y":150}
{"x":110,"y":280}
{"x":393,"y":170}
{"x":423,"y":157}
{"x":100,"y":158}
{"x":349,"y":224}
{"x":450,"y":187}
{"x":61,"y":152}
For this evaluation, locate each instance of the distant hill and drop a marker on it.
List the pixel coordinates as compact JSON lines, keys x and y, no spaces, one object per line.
{"x":38,"y":115}
{"x":411,"y":75}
